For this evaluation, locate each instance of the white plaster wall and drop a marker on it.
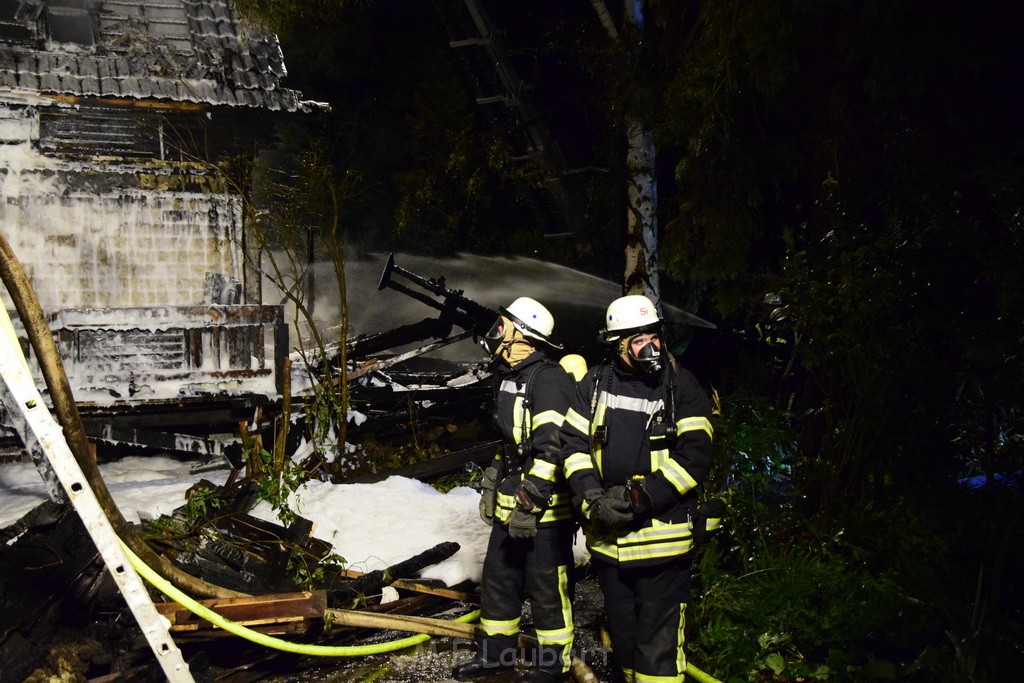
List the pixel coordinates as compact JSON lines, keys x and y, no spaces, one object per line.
{"x":112,"y":248}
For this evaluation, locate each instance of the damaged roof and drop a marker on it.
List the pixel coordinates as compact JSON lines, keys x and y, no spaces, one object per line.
{"x":196,"y":51}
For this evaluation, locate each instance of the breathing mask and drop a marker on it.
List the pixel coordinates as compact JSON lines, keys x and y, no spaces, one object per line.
{"x":647,"y":359}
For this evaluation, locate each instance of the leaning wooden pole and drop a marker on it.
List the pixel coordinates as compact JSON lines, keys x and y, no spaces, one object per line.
{"x":66,"y":410}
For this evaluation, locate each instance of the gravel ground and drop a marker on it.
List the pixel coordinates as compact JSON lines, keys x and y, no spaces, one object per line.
{"x":433,"y":661}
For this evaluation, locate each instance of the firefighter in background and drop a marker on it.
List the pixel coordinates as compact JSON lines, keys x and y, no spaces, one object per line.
{"x":778,"y":338}
{"x":635,"y":446}
{"x":530,"y":546}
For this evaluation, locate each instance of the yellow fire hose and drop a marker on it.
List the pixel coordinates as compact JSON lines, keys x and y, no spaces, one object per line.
{"x":459,"y":628}
{"x":204,"y":612}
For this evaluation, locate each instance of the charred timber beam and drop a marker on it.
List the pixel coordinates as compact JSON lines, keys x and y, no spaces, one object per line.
{"x":435,"y":467}
{"x":431,"y":328}
{"x":376,"y":364}
{"x":165,"y":441}
{"x":161,"y":317}
{"x":372,"y":582}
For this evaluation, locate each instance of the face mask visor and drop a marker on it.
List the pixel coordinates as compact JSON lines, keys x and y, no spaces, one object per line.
{"x":491,"y":341}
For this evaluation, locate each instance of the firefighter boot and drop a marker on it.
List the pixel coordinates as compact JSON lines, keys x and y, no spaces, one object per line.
{"x":477,"y":667}
{"x":543,"y":676}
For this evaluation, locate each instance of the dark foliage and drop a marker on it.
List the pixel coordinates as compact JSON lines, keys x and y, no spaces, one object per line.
{"x":861,"y":158}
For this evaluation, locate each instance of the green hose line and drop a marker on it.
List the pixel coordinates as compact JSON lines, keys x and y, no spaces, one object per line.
{"x":699,"y":676}
{"x":165,"y":587}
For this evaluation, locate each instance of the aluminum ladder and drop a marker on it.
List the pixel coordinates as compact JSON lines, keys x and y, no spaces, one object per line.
{"x":45,"y":443}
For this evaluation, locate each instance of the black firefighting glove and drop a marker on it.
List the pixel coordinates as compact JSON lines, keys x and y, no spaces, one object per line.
{"x":530,"y":505}
{"x":488,"y":494}
{"x":522,"y":524}
{"x":640,"y":499}
{"x":609,"y":508}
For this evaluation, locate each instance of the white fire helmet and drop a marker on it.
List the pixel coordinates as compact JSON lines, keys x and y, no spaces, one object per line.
{"x":630,"y":315}
{"x":528,"y":316}
{"x":531,"y":318}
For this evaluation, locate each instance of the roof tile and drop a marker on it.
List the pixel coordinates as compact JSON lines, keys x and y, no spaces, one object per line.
{"x":49,"y":82}
{"x":28,"y":81}
{"x":182,"y":50}
{"x":109,"y":86}
{"x":70,"y":83}
{"x":90,"y":85}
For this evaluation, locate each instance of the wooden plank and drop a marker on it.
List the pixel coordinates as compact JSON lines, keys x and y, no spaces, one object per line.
{"x":431,"y":588}
{"x":278,"y":608}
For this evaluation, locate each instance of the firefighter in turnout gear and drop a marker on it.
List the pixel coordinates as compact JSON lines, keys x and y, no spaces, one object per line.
{"x":635,"y":446}
{"x":530,"y":548}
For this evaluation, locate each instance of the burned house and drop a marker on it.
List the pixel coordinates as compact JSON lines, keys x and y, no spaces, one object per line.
{"x":115,"y":119}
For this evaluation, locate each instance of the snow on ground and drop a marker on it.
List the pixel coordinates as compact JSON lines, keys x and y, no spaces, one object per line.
{"x":372,"y":526}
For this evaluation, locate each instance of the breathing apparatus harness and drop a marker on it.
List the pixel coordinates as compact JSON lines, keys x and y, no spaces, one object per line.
{"x":516,"y":454}
{"x":662,"y":425}
{"x":706,"y":512}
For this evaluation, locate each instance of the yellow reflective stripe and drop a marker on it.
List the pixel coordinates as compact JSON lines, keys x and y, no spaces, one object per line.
{"x":503,"y":506}
{"x":544,"y":470}
{"x":558,"y":636}
{"x":655,"y":542}
{"x":555,"y":514}
{"x":558,"y":510}
{"x":577,"y":462}
{"x":517,"y":419}
{"x":695,"y":424}
{"x":634,"y":405}
{"x":660,"y":532}
{"x":712,"y":523}
{"x":494,"y":627}
{"x":561,"y":637}
{"x":629,"y":675}
{"x":680,"y":640}
{"x":561,"y":498}
{"x":677,"y":475}
{"x":563,"y":594}
{"x":639,"y":553}
{"x":548,"y":417}
{"x":658,"y":456}
{"x":510,"y":387}
{"x":598,"y":448}
{"x":574,"y":419}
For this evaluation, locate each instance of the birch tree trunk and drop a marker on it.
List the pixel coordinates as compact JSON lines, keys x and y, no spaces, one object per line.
{"x":641,"y":272}
{"x":641,"y":275}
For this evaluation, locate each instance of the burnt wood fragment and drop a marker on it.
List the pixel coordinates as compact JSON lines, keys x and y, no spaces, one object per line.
{"x":343,"y":592}
{"x":51,"y":580}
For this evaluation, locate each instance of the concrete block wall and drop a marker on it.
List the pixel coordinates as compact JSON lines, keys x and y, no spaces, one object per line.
{"x":123,"y":250}
{"x":113,"y":245}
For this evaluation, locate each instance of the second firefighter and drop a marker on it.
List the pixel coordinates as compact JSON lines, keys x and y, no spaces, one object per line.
{"x":529,"y":552}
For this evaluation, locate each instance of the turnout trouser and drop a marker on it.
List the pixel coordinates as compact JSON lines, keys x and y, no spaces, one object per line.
{"x":646,"y":610}
{"x":538,"y":568}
